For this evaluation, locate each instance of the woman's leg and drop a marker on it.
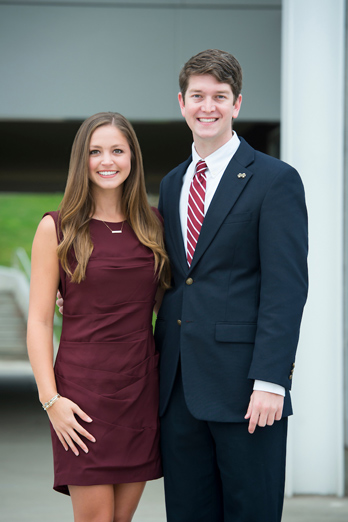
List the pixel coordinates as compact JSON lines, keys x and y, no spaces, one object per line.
{"x":106,"y":503}
{"x":93,"y":503}
{"x":126,"y":500}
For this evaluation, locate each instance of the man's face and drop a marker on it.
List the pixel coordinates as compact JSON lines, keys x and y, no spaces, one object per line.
{"x":208,"y":108}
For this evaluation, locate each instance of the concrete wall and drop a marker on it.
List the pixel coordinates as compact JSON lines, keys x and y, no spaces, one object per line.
{"x":313,"y":142}
{"x":69,"y":59}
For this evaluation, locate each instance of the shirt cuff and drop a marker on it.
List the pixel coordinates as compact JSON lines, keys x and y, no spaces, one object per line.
{"x":269,"y":387}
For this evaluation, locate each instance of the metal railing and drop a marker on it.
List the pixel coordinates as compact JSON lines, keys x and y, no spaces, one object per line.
{"x":21,"y":261}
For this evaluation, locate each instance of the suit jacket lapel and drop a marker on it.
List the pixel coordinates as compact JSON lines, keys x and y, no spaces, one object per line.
{"x":173,"y":221}
{"x":232,"y":184}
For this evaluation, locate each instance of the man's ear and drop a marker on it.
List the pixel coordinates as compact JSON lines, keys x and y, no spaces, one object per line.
{"x":237,"y":106}
{"x":181,"y":103}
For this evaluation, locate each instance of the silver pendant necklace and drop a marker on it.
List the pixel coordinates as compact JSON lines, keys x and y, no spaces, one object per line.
{"x":114,"y":231}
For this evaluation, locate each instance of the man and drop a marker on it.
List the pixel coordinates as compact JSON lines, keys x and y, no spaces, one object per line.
{"x":227,"y":330}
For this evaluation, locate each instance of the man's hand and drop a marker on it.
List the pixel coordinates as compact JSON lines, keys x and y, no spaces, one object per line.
{"x":264,"y":408}
{"x":60,"y":302}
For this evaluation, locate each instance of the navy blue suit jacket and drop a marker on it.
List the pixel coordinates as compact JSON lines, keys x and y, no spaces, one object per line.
{"x":234,"y":315}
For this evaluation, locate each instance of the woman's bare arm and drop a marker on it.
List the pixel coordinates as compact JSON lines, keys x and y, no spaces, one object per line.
{"x":43,"y":288}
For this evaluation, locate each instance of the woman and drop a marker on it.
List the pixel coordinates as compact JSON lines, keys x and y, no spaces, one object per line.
{"x":104,"y":249}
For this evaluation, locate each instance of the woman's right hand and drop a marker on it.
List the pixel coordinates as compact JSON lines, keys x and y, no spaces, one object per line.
{"x":62,"y":417}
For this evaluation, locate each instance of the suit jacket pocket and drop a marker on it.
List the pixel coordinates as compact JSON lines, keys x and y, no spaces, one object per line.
{"x":242,"y":217}
{"x":235,"y":333}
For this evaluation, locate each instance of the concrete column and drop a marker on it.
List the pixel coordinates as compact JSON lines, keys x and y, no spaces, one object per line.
{"x":312,"y":128}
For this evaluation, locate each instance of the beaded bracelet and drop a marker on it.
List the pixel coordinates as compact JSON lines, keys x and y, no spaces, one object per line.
{"x":49,"y":403}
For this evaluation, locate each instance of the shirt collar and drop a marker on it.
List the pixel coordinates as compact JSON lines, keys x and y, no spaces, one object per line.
{"x":219,"y":159}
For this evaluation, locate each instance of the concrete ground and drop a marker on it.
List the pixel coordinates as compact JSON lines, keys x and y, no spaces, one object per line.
{"x":26,"y":466}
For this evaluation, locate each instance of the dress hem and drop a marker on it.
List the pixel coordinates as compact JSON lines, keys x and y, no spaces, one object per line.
{"x":63,"y":488}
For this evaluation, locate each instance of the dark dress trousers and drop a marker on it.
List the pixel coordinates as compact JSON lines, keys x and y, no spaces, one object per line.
{"x":232,"y":317}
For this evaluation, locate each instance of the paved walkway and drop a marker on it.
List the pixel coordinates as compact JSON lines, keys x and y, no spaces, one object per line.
{"x":26,"y":466}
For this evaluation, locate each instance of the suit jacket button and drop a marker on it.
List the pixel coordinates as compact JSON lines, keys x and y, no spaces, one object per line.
{"x":290,"y":377}
{"x":179,"y":322}
{"x":189,"y":281}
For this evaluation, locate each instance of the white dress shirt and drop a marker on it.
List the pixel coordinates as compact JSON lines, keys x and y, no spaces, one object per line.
{"x":216,"y":166}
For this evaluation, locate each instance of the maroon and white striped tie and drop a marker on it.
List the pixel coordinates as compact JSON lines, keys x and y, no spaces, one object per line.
{"x":195,"y":210}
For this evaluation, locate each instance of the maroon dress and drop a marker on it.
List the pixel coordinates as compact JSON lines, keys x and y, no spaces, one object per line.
{"x":107,"y":363}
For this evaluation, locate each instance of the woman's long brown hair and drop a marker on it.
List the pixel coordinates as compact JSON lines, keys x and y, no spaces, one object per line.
{"x":77,"y":206}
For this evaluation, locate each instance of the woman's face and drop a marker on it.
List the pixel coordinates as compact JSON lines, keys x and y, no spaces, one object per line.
{"x":109,"y":158}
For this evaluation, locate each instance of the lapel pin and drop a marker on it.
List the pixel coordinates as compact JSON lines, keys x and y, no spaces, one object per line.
{"x":241,"y":175}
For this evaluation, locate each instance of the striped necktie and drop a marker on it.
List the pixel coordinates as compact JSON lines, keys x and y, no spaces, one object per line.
{"x":195,"y":210}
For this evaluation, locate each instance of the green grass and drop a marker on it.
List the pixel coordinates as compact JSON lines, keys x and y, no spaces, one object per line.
{"x":20,"y":215}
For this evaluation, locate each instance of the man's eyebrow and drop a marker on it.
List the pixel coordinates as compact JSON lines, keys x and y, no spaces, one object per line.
{"x":224,"y":91}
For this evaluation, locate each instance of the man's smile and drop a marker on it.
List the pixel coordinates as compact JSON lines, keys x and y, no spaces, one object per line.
{"x":207,"y":120}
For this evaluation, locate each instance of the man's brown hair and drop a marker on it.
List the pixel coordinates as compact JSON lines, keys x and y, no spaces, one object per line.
{"x":222,"y":65}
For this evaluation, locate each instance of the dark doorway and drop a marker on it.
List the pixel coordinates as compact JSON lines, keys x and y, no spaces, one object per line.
{"x":36,"y":153}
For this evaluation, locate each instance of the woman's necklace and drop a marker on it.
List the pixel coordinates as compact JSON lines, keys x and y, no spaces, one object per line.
{"x":114,"y":231}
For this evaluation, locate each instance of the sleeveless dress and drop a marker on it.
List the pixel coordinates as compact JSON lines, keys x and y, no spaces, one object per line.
{"x":107,"y":363}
